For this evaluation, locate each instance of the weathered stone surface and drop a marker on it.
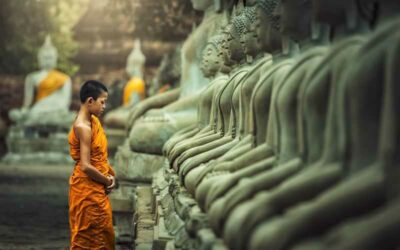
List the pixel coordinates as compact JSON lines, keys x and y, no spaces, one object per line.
{"x":136,"y":166}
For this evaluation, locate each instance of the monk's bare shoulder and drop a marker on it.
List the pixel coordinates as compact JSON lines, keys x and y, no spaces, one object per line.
{"x":82,"y":130}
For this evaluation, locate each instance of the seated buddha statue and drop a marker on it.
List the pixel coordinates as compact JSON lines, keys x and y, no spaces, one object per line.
{"x":222,"y":130}
{"x":211,"y":66}
{"x":149,"y":134}
{"x":367,"y":195}
{"x":133,"y":91}
{"x":47,"y":92}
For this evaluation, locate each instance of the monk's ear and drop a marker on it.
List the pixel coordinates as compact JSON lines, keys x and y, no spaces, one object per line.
{"x":90,"y":100}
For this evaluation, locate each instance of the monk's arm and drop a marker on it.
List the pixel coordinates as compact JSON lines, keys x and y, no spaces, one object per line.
{"x":84,"y":134}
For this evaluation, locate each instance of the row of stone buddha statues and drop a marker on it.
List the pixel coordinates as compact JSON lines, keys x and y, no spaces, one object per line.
{"x":296,"y":137}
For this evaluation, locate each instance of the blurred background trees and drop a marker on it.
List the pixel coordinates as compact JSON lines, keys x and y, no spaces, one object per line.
{"x":24,"y":25}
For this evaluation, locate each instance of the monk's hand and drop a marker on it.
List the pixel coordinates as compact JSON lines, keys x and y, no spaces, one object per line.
{"x":110,"y":187}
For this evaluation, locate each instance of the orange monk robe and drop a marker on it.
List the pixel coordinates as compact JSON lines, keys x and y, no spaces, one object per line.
{"x":90,"y":215}
{"x":53,"y":82}
{"x":135,"y":85}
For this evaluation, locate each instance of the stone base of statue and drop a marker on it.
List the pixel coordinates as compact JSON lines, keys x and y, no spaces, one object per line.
{"x":179,"y":217}
{"x":136,"y":167}
{"x":123,"y":203}
{"x":40,"y":141}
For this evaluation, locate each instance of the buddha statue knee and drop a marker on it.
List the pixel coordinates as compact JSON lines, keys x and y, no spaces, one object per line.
{"x":150,"y":136}
{"x":47,"y":94}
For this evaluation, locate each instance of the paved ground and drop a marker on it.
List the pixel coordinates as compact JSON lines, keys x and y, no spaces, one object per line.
{"x":34,"y":207}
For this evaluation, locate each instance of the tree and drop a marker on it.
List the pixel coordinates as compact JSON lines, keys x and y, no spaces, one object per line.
{"x":24,"y":25}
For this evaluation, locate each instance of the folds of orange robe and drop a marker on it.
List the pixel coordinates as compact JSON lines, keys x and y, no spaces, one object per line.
{"x":90,"y":215}
{"x":53,"y":82}
{"x":135,"y":85}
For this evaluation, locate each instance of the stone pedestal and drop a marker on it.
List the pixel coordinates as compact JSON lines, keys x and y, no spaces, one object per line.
{"x":43,"y":143}
{"x":136,"y":167}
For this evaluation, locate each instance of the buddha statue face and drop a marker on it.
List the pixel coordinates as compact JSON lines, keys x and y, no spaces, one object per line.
{"x":250,"y":39}
{"x":211,"y":61}
{"x":202,"y":5}
{"x":296,"y":18}
{"x":269,"y":31}
{"x":47,"y":56}
{"x":233,"y":32}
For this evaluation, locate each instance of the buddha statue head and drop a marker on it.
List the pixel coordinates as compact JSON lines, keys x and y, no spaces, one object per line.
{"x":262,"y":30}
{"x":296,"y":18}
{"x":250,"y":38}
{"x":269,"y":31}
{"x":47,"y":55}
{"x":136,"y":61}
{"x":212,"y":57}
{"x":234,"y":52}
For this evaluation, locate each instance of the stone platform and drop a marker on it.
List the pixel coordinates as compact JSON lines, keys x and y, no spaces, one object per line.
{"x":38,"y":143}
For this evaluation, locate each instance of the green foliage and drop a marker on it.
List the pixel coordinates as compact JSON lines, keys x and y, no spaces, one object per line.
{"x":24,"y":25}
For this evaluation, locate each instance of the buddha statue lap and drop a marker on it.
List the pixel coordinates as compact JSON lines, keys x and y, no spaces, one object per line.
{"x":149,"y":134}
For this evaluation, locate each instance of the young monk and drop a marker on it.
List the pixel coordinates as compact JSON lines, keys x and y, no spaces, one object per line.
{"x":90,"y":215}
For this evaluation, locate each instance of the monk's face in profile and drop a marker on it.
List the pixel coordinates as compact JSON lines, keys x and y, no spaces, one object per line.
{"x":96,"y":107}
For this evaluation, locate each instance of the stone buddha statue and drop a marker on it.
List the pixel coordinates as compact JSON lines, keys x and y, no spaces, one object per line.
{"x":47,"y":93}
{"x":149,"y":134}
{"x":365,"y":200}
{"x":133,"y":92}
{"x":222,"y":132}
{"x":211,"y":67}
